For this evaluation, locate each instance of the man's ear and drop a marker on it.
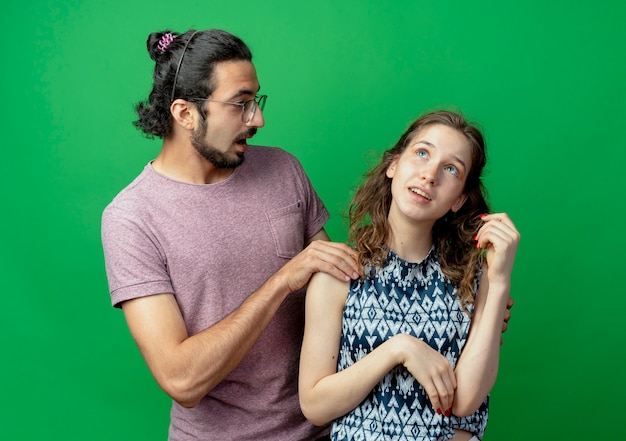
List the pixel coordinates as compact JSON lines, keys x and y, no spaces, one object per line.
{"x":458,"y":203}
{"x":184,"y":114}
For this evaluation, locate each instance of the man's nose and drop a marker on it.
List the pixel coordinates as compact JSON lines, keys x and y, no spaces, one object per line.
{"x":258,"y":120}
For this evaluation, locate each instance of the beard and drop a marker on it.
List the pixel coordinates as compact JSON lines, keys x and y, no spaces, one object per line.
{"x":216,"y":157}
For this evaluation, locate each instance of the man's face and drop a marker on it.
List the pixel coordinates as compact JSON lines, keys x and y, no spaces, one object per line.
{"x":222,"y":137}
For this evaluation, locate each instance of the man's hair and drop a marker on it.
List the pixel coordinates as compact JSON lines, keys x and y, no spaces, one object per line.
{"x":453,"y":234}
{"x":188,"y":60}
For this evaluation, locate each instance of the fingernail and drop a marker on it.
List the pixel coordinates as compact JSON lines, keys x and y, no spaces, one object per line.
{"x":482,"y":216}
{"x":438,"y":411}
{"x":476,"y":237}
{"x":478,"y":245}
{"x":448,"y":413}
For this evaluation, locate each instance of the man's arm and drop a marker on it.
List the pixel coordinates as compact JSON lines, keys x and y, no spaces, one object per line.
{"x":187,"y":368}
{"x":507,"y":316}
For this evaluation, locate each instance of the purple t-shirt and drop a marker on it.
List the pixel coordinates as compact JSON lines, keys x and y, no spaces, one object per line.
{"x":212,"y":246}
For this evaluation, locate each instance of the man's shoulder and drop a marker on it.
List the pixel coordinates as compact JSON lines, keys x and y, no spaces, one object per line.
{"x":272,"y":165}
{"x":132,"y":193}
{"x":269,"y":152}
{"x":273,"y":160}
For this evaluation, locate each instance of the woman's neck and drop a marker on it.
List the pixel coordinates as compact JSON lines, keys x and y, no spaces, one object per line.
{"x":411,"y":242}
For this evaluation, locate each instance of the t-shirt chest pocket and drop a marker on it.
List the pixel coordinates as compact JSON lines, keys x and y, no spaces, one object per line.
{"x":287,"y":228}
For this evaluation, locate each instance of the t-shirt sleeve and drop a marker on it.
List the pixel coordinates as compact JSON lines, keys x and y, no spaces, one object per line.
{"x":135,"y":266}
{"x":315,"y":213}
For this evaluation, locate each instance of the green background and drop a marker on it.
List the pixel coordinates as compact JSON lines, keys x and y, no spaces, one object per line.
{"x":545,"y":79}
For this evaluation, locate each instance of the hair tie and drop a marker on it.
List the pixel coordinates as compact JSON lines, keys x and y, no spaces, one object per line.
{"x":165,"y":41}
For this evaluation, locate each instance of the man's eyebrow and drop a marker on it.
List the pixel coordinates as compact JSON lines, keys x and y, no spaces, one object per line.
{"x":243,"y":92}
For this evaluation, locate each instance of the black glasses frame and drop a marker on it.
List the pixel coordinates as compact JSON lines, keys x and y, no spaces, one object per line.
{"x":251,"y":105}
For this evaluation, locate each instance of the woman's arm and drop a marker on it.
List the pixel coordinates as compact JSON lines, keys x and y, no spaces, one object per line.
{"x":477,"y":368}
{"x":326,"y":394}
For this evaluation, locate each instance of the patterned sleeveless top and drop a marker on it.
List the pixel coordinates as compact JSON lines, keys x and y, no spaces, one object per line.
{"x":409,"y":298}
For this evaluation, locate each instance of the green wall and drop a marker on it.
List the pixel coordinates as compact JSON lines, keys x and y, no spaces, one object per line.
{"x":544,"y":78}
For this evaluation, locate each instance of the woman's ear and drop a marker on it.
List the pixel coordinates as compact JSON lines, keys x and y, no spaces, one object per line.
{"x":458,"y":203}
{"x":391,"y":170}
{"x":184,"y":114}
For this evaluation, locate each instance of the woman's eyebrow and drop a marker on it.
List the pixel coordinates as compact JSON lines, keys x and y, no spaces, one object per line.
{"x":430,"y":144}
{"x":423,"y":141}
{"x":460,"y":162}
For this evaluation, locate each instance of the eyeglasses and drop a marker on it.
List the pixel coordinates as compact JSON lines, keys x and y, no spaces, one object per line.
{"x":248,"y":108}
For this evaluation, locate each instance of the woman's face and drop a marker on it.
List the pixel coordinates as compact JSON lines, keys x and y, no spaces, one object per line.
{"x":429,"y":176}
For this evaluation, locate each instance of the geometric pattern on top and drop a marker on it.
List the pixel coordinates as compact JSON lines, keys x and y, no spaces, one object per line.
{"x":403,"y":298}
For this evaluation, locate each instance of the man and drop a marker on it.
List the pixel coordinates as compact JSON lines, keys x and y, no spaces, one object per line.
{"x":207,"y":254}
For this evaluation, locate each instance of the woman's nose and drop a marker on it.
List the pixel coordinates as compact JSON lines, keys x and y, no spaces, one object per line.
{"x":429,"y":172}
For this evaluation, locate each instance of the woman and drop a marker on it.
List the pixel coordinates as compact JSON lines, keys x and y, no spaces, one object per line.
{"x":382,"y":355}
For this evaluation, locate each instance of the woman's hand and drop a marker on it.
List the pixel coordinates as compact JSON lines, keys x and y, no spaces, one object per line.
{"x":431,"y":369}
{"x":499,"y":237}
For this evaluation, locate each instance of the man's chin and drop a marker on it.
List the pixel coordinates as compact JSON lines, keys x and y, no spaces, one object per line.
{"x":240,"y":158}
{"x":230,"y":162}
{"x":232,"y":159}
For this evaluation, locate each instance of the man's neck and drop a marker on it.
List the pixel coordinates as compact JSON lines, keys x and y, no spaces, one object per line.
{"x":181,"y":162}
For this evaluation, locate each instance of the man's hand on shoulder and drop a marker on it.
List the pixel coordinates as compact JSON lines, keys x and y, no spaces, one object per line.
{"x":321,"y":255}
